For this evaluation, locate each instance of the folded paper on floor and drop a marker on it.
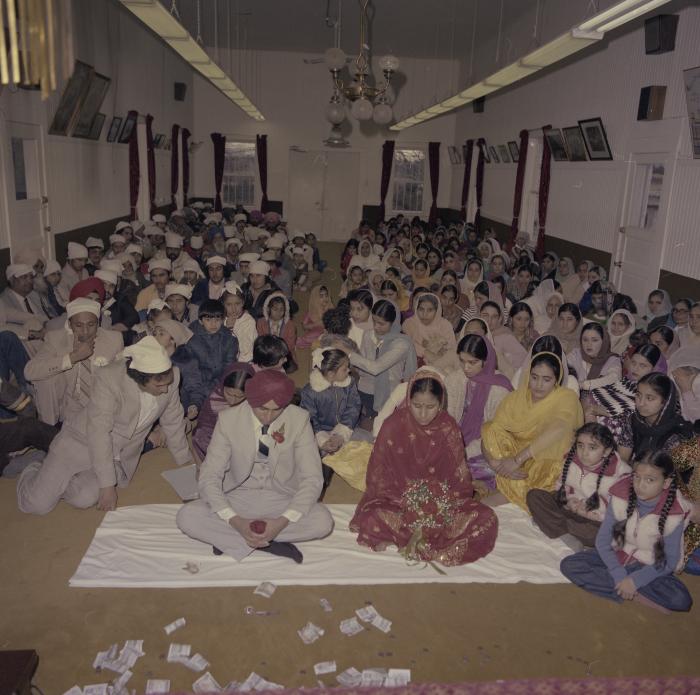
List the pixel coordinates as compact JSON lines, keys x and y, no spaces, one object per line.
{"x":141,"y":546}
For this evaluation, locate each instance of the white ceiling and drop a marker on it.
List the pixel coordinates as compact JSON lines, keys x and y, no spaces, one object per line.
{"x":415,"y":28}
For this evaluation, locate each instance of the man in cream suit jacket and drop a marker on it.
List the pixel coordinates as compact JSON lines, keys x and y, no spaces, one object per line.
{"x":98,"y":448}
{"x":64,"y":367}
{"x":261,"y":478}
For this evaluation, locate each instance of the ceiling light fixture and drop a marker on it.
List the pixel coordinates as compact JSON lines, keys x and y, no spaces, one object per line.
{"x":367,"y":102}
{"x":166,"y":24}
{"x":589,"y":32}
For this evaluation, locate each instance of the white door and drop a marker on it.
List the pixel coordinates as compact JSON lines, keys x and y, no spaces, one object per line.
{"x":637,"y":262}
{"x":340,"y":207}
{"x":25,"y":184}
{"x":323,"y":190}
{"x":307,"y":171}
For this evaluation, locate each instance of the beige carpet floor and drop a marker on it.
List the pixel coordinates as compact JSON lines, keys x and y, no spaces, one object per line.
{"x":441,"y":632}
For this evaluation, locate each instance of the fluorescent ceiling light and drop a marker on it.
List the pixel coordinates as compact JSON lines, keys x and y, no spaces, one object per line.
{"x":620,"y":13}
{"x":508,"y":75}
{"x":157,"y":18}
{"x":560,"y":48}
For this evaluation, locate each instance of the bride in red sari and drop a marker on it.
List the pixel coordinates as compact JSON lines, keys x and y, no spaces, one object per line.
{"x":419,"y":493}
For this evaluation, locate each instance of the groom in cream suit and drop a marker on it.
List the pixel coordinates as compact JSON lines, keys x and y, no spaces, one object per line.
{"x":261,"y":478}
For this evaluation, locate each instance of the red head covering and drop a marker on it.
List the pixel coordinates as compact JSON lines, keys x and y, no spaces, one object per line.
{"x":85,"y":287}
{"x":269,"y":385}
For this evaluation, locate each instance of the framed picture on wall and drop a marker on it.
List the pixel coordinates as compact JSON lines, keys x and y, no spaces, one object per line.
{"x":503,"y":151}
{"x":595,"y":138}
{"x":127,"y":129}
{"x":72,"y":98}
{"x":494,"y":155}
{"x":556,"y":145}
{"x":485,"y":150}
{"x":454,"y":153}
{"x":514,"y":151}
{"x":96,"y":127}
{"x":99,"y":84}
{"x":158,"y":140}
{"x":114,"y":127}
{"x":575,"y":144}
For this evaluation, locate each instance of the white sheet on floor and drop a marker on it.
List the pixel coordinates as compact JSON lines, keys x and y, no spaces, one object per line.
{"x":141,"y":546}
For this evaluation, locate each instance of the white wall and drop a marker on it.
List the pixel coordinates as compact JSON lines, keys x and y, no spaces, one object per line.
{"x":586,"y":198}
{"x":292,"y":96}
{"x":87,"y":181}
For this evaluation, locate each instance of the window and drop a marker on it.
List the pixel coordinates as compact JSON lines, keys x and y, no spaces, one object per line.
{"x":240,"y":174}
{"x":409,"y":177}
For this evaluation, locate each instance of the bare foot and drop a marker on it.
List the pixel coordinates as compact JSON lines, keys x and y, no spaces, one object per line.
{"x":381,"y":547}
{"x":652,"y":604}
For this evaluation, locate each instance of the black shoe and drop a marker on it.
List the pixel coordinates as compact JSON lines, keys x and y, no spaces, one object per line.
{"x":216,"y":551}
{"x":284,"y":550}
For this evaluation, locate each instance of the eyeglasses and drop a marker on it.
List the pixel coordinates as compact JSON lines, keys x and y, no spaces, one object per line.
{"x":680,"y":311}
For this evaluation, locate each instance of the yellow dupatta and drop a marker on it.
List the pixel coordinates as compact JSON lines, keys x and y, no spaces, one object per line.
{"x":547,"y":427}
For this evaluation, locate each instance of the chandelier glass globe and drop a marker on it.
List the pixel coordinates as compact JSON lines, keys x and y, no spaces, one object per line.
{"x":382,"y":114}
{"x":362,"y":109}
{"x":335,"y":113}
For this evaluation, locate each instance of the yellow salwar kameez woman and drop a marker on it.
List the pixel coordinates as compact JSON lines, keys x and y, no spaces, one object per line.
{"x":544,"y":427}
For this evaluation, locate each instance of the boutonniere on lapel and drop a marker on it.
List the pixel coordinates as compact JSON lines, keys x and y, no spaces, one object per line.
{"x":100,"y":362}
{"x":278,"y":435}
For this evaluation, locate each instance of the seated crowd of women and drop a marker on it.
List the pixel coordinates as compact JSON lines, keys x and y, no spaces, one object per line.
{"x":450,"y":376}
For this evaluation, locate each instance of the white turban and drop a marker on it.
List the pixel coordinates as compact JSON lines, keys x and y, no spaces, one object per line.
{"x":112,"y":264}
{"x":240,"y":217}
{"x":93,"y":242}
{"x":259,"y":268}
{"x":173,"y":288}
{"x":160,"y":264}
{"x":123,"y":225}
{"x":249,"y":257}
{"x":275,"y":242}
{"x":106,"y":276}
{"x":159,"y":219}
{"x":52,"y":267}
{"x":135,"y":248}
{"x":17,"y":270}
{"x":196,"y":242}
{"x":268,"y":255}
{"x":173,"y":240}
{"x":117,"y":239}
{"x":153,"y":230}
{"x":76,"y":251}
{"x":157,"y":304}
{"x":82,"y":305}
{"x":148,"y":356}
{"x":235,"y":241}
{"x":229,"y":230}
{"x":216,"y":259}
{"x":233,"y":287}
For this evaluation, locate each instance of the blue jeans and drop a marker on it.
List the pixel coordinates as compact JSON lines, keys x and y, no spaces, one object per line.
{"x":588,"y":571}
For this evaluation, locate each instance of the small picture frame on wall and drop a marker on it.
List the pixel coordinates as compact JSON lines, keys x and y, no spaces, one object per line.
{"x":158,"y":140}
{"x":503,"y":151}
{"x":494,"y":155}
{"x":127,"y":129}
{"x":575,"y":144}
{"x":114,"y":127}
{"x":514,"y":151}
{"x":557,"y":146}
{"x":97,"y":90}
{"x":96,"y":127}
{"x":596,"y":139}
{"x":485,"y":150}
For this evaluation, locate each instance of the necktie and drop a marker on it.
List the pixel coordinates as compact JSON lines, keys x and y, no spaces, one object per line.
{"x":27,"y":305}
{"x":84,"y":380}
{"x":262,"y":447}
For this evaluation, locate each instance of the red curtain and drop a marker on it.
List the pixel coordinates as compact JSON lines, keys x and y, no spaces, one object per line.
{"x":151,"y":154}
{"x":185,"y":164}
{"x":174,"y":165}
{"x":219,"y":141}
{"x":481,"y":144}
{"x":261,"y":150}
{"x":543,"y":200}
{"x":468,"y":150}
{"x":519,"y":181}
{"x":434,"y":165}
{"x":134,"y":174}
{"x":387,"y":162}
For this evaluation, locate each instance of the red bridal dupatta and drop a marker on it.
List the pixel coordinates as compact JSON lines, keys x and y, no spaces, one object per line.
{"x":418,"y":477}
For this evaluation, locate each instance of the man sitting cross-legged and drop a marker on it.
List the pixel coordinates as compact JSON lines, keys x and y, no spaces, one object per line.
{"x":261,"y":478}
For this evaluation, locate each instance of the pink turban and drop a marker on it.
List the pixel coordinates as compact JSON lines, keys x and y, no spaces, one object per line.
{"x":255,"y":217}
{"x":269,"y":385}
